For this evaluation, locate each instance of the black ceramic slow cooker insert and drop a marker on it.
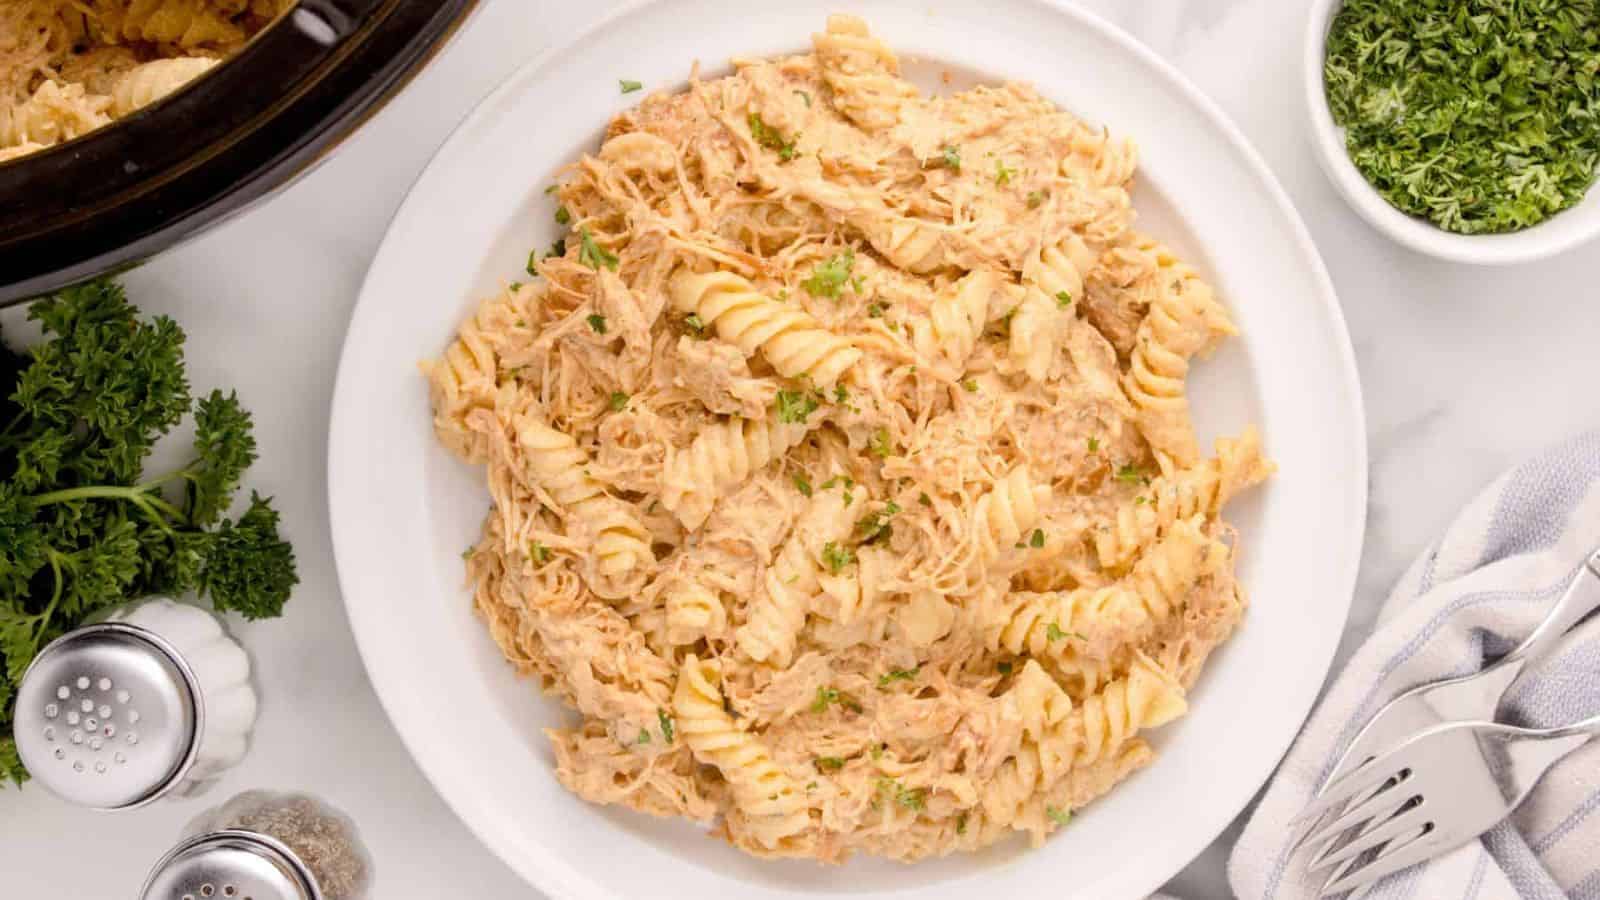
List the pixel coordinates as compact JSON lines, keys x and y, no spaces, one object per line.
{"x":125,"y":192}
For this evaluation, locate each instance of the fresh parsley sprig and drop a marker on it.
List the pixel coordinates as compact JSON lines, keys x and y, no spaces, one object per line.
{"x":82,"y":527}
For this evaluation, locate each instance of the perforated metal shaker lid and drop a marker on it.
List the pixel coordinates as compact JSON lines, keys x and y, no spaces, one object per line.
{"x":230,"y":865}
{"x":109,"y":716}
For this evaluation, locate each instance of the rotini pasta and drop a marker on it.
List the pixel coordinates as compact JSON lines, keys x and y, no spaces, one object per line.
{"x":1184,"y":320}
{"x":769,"y":797}
{"x":842,"y":478}
{"x":863,"y":72}
{"x":145,"y":84}
{"x":620,"y":543}
{"x":721,"y":458}
{"x":790,"y":340}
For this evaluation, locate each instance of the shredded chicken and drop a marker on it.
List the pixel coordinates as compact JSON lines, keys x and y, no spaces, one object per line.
{"x":841,"y":461}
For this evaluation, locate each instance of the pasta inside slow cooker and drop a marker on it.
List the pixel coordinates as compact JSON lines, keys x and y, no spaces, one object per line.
{"x":68,"y":67}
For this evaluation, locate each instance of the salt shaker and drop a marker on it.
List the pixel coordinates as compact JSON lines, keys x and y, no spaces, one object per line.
{"x":265,"y":846}
{"x":152,"y":701}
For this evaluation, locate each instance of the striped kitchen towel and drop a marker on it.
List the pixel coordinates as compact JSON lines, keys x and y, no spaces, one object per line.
{"x":1470,"y":598}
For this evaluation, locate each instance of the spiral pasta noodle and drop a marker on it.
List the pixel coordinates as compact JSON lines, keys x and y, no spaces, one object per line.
{"x":152,"y":81}
{"x":722,"y":457}
{"x":1184,"y":320}
{"x":840,"y":462}
{"x":863,"y":73}
{"x":769,"y":796}
{"x":621,"y":544}
{"x":787,"y":337}
{"x":1201,"y":490}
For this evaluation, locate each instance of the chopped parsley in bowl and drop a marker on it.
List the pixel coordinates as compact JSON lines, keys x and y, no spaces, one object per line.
{"x":1480,"y":116}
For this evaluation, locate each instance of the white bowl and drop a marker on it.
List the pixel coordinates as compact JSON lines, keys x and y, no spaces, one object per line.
{"x":402,"y":508}
{"x":1562,"y":231}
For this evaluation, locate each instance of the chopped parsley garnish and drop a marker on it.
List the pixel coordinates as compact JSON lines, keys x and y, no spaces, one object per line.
{"x":1003,"y":172}
{"x":952,"y":158}
{"x":795,"y":406}
{"x":880,"y":445}
{"x":828,"y":279}
{"x":1063,"y":299}
{"x":1004,"y":668}
{"x":906,"y":797}
{"x":970,"y":386}
{"x":898,"y":675}
{"x":802,"y":485}
{"x":837,"y":480}
{"x":552,"y":189}
{"x":1131,"y":474}
{"x":644,"y":736}
{"x":924,"y":499}
{"x":1035,"y":198}
{"x":563,"y":216}
{"x":840,"y":394}
{"x":1060,"y":817}
{"x":806,"y":97}
{"x":1094,"y":445}
{"x":876,"y":525}
{"x":539,"y":553}
{"x":826,"y":697}
{"x":1480,"y":117}
{"x":666,"y":724}
{"x":468,"y":553}
{"x":619,"y":401}
{"x":557,"y":249}
{"x":961,"y":824}
{"x":695,"y":324}
{"x":836,"y":558}
{"x":597,"y":322}
{"x":628,"y":86}
{"x":593,"y":255}
{"x":875,"y":310}
{"x":770,"y":138}
{"x":1037,"y":540}
{"x":877,"y":752}
{"x":830,"y":763}
{"x":516,"y":286}
{"x":1054,"y":633}
{"x":533,"y":262}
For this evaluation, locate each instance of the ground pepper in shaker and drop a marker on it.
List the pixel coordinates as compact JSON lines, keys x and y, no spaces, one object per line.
{"x":321,"y":846}
{"x":153,"y":701}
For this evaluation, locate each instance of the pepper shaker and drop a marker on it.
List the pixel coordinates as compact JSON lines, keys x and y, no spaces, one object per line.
{"x":265,"y":846}
{"x":153,"y":701}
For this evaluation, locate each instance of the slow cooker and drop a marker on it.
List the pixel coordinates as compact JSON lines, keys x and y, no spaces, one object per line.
{"x":126,"y":192}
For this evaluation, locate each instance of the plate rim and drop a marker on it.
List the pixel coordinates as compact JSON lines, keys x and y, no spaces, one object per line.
{"x":553,"y":875}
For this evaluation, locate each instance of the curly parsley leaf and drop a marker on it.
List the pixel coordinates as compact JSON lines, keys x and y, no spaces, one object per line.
{"x":593,"y":255}
{"x":794,"y":407}
{"x":829,"y":279}
{"x":771,"y":138}
{"x":82,"y":527}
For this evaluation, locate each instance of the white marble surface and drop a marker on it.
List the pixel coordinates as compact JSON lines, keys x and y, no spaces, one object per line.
{"x":1466,"y":370}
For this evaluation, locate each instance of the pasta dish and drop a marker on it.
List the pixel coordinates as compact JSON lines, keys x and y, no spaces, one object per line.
{"x":68,"y":67}
{"x":842,"y":473}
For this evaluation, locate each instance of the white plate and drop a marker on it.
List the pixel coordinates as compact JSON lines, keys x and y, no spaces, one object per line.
{"x":402,"y":509}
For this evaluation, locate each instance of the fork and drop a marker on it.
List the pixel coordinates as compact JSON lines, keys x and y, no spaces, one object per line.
{"x":1438,"y":790}
{"x":1465,"y":698}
